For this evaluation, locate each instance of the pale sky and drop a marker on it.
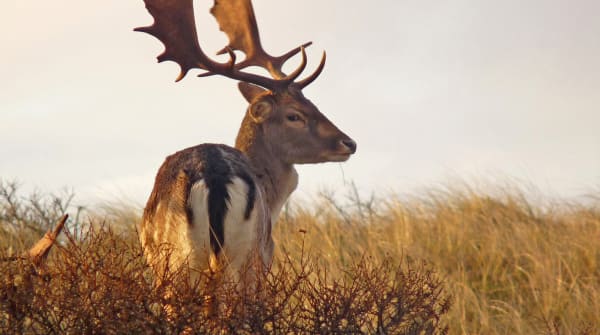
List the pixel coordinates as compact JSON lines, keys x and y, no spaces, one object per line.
{"x":430,"y":90}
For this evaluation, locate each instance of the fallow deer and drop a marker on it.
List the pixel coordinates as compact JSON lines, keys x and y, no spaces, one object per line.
{"x":214,"y":205}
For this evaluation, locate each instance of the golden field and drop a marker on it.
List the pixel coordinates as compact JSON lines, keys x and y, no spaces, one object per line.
{"x":474,"y":262}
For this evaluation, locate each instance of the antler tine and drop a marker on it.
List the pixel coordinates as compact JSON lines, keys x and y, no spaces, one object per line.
{"x":276,"y":65}
{"x":283,"y":58}
{"x":306,"y":81}
{"x":292,"y":76}
{"x":231,"y":63}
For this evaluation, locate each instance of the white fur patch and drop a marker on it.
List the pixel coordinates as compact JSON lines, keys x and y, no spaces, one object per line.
{"x":240,"y":238}
{"x":240,"y":234}
{"x":198,"y":231}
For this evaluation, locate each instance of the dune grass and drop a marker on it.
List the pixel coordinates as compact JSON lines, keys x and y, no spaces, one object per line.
{"x":505,"y":264}
{"x":511,"y":266}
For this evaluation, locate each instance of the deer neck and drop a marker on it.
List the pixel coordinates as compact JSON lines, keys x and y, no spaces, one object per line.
{"x":278,"y":179}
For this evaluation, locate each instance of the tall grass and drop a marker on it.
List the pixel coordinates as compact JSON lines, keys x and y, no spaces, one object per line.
{"x":511,"y":266}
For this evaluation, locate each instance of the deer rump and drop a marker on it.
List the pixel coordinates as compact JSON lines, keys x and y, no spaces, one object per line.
{"x":206,"y":210}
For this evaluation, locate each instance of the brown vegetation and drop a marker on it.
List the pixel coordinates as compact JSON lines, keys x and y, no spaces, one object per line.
{"x":97,"y":282}
{"x":510,"y":266}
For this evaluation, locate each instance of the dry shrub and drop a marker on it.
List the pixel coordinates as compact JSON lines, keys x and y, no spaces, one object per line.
{"x":35,"y":213}
{"x":98,"y":283}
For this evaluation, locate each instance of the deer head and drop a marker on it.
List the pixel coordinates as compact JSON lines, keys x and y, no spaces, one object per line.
{"x":292,"y":127}
{"x":279,"y":115}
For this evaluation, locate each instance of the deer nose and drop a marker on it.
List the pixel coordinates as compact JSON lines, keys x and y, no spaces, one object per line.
{"x":350,"y":144}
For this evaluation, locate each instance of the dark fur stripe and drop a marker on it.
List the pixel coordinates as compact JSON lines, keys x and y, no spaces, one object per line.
{"x":217,"y":176}
{"x":217,"y":209}
{"x":251,"y":196}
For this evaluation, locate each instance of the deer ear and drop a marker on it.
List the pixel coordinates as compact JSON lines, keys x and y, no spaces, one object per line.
{"x":249,"y":91}
{"x":260,"y":111}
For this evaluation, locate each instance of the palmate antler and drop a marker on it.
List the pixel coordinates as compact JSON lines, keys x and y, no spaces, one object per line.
{"x":236,"y":19}
{"x":175,"y":26}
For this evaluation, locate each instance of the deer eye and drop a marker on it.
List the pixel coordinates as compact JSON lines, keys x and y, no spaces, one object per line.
{"x":294,"y":118}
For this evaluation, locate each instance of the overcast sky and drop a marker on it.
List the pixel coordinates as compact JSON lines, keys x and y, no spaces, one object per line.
{"x":430,"y":90}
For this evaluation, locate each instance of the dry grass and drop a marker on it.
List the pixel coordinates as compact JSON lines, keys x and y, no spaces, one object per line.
{"x":511,"y":267}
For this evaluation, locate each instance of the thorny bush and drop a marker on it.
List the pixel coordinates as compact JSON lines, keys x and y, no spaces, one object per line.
{"x":99,"y":283}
